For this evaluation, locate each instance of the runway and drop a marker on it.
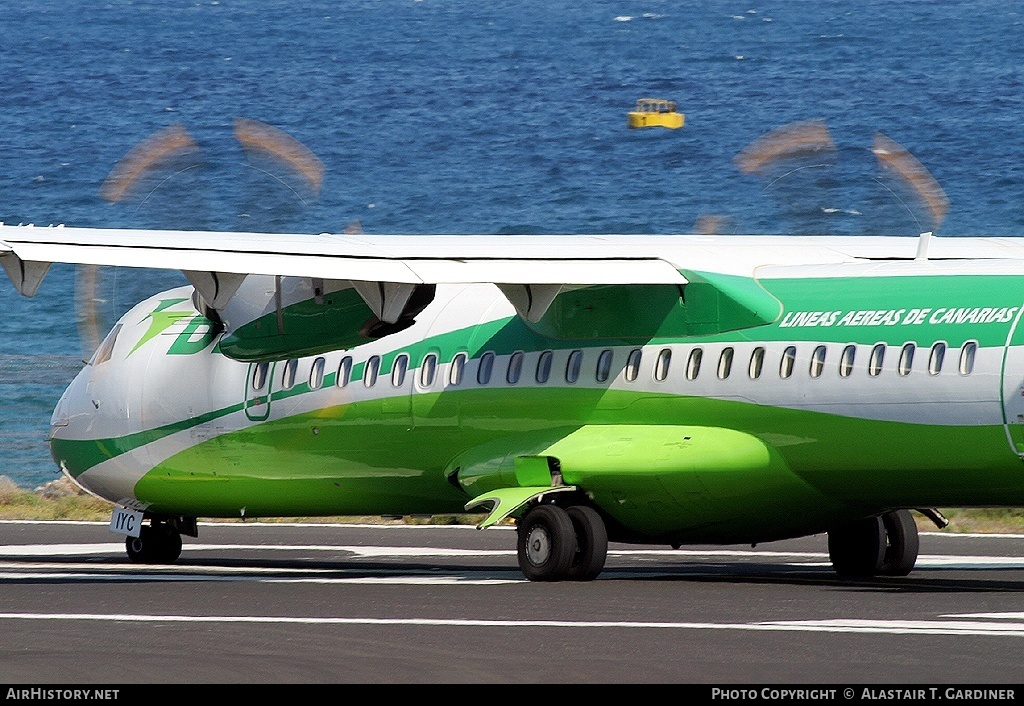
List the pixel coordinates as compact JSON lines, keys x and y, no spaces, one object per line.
{"x":289,"y":603}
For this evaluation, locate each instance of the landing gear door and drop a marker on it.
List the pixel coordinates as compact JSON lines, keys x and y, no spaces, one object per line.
{"x":258,"y":386}
{"x":1013,"y":387}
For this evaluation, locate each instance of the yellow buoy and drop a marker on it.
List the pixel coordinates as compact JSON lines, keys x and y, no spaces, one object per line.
{"x":655,"y":112}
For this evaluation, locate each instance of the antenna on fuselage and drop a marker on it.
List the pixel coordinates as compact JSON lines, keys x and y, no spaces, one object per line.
{"x":922,"y":246}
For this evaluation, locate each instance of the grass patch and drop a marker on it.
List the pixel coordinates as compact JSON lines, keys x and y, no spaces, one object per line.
{"x":58,"y":500}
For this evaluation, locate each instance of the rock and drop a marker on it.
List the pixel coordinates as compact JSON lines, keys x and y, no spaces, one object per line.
{"x":60,"y":488}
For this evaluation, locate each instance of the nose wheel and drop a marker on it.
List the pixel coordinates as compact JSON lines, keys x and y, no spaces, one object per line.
{"x":556,"y":544}
{"x":157,"y":543}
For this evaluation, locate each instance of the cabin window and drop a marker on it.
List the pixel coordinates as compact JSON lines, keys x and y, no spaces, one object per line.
{"x":316,"y":374}
{"x":967,"y":354}
{"x":398,"y":370}
{"x":544,"y":366}
{"x":428,"y":369}
{"x":935,"y":359}
{"x":259,"y":376}
{"x":661,"y":365}
{"x":572,"y":366}
{"x":515,"y":368}
{"x":876,"y":360}
{"x":693,"y":364}
{"x":483,"y":372}
{"x":846,"y":361}
{"x":633,"y":364}
{"x":817,"y":361}
{"x":457,"y":368}
{"x":103,"y":353}
{"x":907,"y":358}
{"x":725,"y":363}
{"x":288,"y":374}
{"x":604,"y":365}
{"x":371,"y":370}
{"x":344,"y":371}
{"x":756,"y":363}
{"x":788,"y":361}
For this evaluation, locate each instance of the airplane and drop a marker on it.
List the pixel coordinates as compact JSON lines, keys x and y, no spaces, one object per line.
{"x":661,"y":389}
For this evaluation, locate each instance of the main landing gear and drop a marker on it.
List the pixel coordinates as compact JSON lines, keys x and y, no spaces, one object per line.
{"x":158,"y":543}
{"x":556,"y":544}
{"x":877,"y":546}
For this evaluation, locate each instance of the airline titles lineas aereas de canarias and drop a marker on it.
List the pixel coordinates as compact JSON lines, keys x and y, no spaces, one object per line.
{"x":894,"y":317}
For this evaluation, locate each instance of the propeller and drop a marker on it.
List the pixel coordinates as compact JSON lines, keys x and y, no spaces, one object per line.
{"x":825,"y":188}
{"x":799,"y":140}
{"x":710,"y":224}
{"x":895,"y":157}
{"x":174,"y":184}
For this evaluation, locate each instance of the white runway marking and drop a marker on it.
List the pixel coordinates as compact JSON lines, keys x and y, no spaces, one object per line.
{"x":890,"y":627}
{"x":905,"y":627}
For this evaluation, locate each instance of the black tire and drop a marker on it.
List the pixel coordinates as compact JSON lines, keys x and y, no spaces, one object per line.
{"x":156,"y":544}
{"x":902,"y":543}
{"x":140,"y":549}
{"x":169,"y":543}
{"x":546,"y":543}
{"x":857,"y":549}
{"x":591,"y":543}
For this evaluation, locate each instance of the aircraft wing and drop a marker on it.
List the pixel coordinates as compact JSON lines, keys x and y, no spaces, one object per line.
{"x":419,"y":259}
{"x":437,"y":259}
{"x":532,"y":270}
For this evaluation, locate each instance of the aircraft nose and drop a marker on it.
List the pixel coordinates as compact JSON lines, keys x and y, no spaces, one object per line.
{"x":71,"y":420}
{"x":61,"y":416}
{"x":69,"y":405}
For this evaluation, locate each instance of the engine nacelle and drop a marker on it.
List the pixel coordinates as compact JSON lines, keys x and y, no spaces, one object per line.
{"x":272,"y":318}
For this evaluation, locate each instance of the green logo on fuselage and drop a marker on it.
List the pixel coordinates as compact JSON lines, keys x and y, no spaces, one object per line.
{"x":161,"y":320}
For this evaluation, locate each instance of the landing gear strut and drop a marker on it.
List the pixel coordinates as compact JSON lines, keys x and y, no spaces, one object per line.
{"x":885,"y":545}
{"x":556,"y":544}
{"x":157,"y":543}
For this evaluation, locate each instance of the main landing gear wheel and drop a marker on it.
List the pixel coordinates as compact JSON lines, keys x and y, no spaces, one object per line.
{"x":158,"y":543}
{"x":902,"y":543}
{"x":591,"y":543}
{"x":556,"y":544}
{"x":885,"y":545}
{"x":546,"y":543}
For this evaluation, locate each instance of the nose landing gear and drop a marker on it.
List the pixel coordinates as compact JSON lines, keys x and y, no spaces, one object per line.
{"x":157,"y":543}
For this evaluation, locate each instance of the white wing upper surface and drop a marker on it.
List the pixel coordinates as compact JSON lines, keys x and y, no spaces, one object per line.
{"x":584,"y":259}
{"x":436,"y":259}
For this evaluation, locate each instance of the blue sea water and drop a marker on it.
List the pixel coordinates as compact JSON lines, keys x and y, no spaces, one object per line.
{"x":481,"y":116}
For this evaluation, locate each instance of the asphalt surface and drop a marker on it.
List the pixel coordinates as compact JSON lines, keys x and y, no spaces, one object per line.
{"x":308,"y":604}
